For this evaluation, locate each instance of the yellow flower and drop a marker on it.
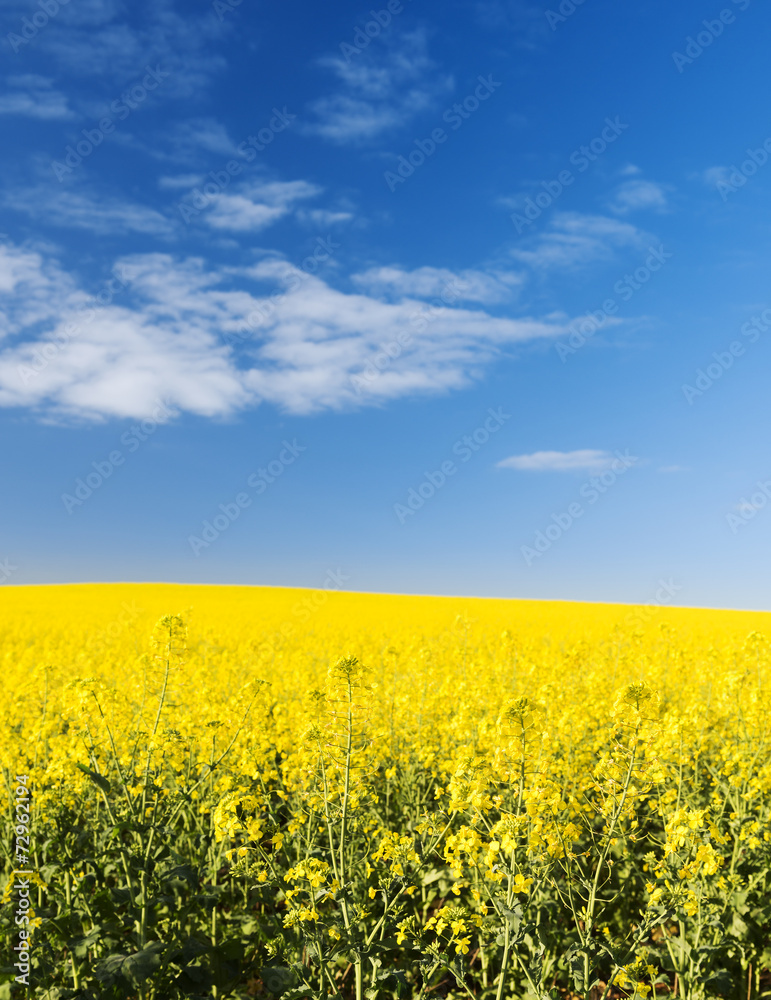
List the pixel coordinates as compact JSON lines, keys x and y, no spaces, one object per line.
{"x":462,"y":945}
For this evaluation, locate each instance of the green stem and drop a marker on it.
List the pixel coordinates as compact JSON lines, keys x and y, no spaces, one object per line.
{"x":506,"y":943}
{"x":214,"y":990}
{"x":68,"y":900}
{"x":592,"y":901}
{"x":427,"y":979}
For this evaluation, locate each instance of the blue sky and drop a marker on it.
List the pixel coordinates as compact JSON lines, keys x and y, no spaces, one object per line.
{"x":465,"y":298}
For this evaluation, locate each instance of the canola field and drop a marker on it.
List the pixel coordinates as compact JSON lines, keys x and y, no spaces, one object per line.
{"x":239,"y":792}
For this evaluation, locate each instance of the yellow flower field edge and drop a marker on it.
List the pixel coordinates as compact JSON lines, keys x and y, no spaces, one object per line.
{"x":237,"y":792}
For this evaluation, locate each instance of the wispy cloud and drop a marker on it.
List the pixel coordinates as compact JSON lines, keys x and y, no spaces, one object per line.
{"x":638,"y":194}
{"x":104,"y":215}
{"x":379,"y":92}
{"x":175,"y":182}
{"x":298,"y":340}
{"x":573,"y":239}
{"x":585,"y":460}
{"x":110,"y":42}
{"x":324,"y":217}
{"x":188,"y":139}
{"x":33,"y":96}
{"x":255,"y":206}
{"x":713,"y":176}
{"x":439,"y":282}
{"x":33,"y":289}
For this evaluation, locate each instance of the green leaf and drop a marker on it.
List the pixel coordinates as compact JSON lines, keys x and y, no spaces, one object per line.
{"x":181,"y":873}
{"x":193,"y":947}
{"x":195,"y":974}
{"x":98,"y":779}
{"x":278,"y":979}
{"x":720,"y":981}
{"x":514,"y":916}
{"x":135,"y":968}
{"x":80,"y":945}
{"x":139,"y":966}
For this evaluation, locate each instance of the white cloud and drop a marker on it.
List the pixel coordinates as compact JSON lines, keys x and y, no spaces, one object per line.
{"x":213,"y":342}
{"x":255,"y":206}
{"x":112,"y":42}
{"x":190,"y":137}
{"x":239,"y":213}
{"x":249,"y":207}
{"x":324,"y":217}
{"x":33,"y":96}
{"x":32,"y":290}
{"x":573,"y":239}
{"x":587,"y":460}
{"x":638,"y":194}
{"x":379,"y":92}
{"x":713,"y":176}
{"x":439,"y":282}
{"x":177,"y":181}
{"x":102,"y":215}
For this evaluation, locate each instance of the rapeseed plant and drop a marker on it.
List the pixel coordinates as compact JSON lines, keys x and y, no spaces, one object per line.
{"x":387,"y":797}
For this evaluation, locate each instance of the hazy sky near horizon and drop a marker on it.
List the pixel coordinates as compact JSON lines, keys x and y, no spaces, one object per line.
{"x":460,"y":298}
